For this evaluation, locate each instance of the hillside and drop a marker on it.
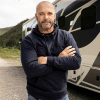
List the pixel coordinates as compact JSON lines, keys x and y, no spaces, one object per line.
{"x":11,"y":38}
{"x":4,"y":30}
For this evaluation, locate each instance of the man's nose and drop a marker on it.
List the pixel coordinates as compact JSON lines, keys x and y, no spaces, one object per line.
{"x":46,"y":16}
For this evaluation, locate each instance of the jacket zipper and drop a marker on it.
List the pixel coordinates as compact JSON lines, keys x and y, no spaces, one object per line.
{"x":48,"y":51}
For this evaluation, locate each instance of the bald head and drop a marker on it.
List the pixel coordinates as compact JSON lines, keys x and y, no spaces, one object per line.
{"x":44,"y":4}
{"x":45,"y":16}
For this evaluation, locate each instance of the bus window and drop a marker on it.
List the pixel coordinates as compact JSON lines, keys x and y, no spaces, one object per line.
{"x":66,"y":22}
{"x":61,"y":21}
{"x":88,"y":17}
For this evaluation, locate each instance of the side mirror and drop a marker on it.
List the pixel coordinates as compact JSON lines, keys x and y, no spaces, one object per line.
{"x":29,"y":28}
{"x":61,"y":21}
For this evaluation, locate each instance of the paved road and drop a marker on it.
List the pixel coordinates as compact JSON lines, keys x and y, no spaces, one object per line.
{"x":78,"y":93}
{"x":12,"y":83}
{"x":13,"y":86}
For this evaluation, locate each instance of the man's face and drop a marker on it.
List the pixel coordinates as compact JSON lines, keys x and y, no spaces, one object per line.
{"x":45,"y":16}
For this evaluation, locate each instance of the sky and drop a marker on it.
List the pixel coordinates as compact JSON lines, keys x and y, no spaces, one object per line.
{"x":13,"y":12}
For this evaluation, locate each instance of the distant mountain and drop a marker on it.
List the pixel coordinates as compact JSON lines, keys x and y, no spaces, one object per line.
{"x":11,"y":37}
{"x":4,"y":30}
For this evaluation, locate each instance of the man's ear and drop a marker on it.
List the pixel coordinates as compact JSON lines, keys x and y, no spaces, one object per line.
{"x":54,"y":15}
{"x":36,"y":16}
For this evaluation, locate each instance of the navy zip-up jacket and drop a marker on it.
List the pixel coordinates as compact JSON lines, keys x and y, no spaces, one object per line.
{"x":48,"y":81}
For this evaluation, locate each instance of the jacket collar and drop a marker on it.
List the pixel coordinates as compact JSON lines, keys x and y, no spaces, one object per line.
{"x":36,"y":30}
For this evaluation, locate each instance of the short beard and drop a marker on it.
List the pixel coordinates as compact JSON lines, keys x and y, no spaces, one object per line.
{"x":43,"y":27}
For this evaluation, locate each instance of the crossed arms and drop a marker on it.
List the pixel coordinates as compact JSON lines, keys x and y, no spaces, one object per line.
{"x":34,"y":66}
{"x":68,"y":51}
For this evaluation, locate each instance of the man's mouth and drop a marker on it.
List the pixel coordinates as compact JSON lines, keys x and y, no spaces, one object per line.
{"x":46,"y":22}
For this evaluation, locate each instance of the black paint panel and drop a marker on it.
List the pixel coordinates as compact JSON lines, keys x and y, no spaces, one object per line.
{"x":76,"y":4}
{"x":88,"y":17}
{"x":91,"y":77}
{"x":68,"y":19}
{"x":77,"y":24}
{"x":64,"y":22}
{"x":84,"y":37}
{"x":98,"y":9}
{"x":84,"y":19}
{"x":58,"y":14}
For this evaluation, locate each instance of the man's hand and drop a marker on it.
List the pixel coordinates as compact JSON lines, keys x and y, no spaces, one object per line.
{"x":69,"y":51}
{"x":42,"y":60}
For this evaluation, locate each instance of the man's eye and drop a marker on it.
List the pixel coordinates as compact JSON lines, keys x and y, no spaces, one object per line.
{"x":49,"y":13}
{"x":41,"y":13}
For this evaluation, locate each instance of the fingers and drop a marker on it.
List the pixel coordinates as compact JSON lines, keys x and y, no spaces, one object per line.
{"x":73,"y":55}
{"x":70,"y":51}
{"x":69,"y":47}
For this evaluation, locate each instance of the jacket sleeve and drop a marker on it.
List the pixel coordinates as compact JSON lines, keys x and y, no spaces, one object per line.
{"x":66,"y":63}
{"x":29,"y":61}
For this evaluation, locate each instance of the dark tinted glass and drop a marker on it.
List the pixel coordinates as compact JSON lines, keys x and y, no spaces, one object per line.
{"x":88,"y":17}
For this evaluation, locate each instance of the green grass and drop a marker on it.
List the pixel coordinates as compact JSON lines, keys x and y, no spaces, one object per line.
{"x":9,"y":53}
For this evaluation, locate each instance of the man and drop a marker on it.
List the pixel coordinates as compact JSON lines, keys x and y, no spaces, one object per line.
{"x":47,"y":54}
